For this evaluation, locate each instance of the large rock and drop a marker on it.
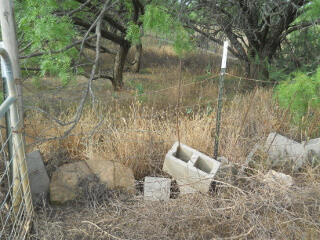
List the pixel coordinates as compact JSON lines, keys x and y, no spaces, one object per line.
{"x":114,"y":174}
{"x":38,"y":178}
{"x":65,"y":181}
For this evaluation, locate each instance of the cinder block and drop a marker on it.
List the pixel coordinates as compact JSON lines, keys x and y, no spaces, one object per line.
{"x":157,"y":188}
{"x":193,"y":170}
{"x":313,"y":148}
{"x":38,"y":178}
{"x":284,"y":151}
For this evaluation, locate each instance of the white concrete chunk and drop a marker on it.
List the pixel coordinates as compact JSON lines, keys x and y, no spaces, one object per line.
{"x":282,"y":150}
{"x":278,"y":179}
{"x":38,"y":178}
{"x":157,"y":188}
{"x":193,"y":170}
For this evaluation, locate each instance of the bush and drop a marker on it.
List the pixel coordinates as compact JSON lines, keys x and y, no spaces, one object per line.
{"x":300,"y":93}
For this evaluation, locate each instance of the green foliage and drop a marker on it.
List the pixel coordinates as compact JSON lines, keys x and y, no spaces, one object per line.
{"x":1,"y":97}
{"x":36,"y":82}
{"x":142,"y":97}
{"x":47,"y":32}
{"x":133,"y":33}
{"x":300,"y":93}
{"x":157,"y":20}
{"x":310,"y":12}
{"x":302,"y":48}
{"x":138,"y":92}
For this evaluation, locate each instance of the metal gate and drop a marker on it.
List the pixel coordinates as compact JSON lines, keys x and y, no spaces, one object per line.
{"x":15,"y":197}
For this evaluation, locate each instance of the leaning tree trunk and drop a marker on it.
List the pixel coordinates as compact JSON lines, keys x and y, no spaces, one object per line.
{"x":119,"y":62}
{"x":137,"y":59}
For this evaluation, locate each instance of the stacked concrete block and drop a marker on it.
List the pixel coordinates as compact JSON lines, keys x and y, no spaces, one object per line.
{"x":156,"y":188}
{"x":192,"y":170}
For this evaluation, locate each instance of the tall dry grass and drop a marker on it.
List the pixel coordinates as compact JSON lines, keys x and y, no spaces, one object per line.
{"x":139,"y":135}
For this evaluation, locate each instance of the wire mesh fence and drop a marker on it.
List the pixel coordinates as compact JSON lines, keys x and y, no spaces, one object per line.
{"x":15,"y":196}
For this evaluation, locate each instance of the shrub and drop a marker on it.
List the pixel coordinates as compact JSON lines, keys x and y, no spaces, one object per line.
{"x":300,"y":93}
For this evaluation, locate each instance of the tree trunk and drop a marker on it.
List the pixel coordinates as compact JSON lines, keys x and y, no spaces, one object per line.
{"x":258,"y":62}
{"x":137,"y":59}
{"x":258,"y":70}
{"x":118,"y":66}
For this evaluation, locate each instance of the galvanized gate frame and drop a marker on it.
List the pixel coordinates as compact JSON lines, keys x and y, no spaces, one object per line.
{"x":18,"y":197}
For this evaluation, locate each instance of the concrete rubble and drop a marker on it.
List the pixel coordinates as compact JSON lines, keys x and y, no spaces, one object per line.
{"x":38,"y":178}
{"x":156,"y":188}
{"x":278,"y":180}
{"x":192,"y":170}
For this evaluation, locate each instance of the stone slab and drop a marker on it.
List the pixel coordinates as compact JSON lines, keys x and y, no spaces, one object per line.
{"x":38,"y":178}
{"x":157,"y":188}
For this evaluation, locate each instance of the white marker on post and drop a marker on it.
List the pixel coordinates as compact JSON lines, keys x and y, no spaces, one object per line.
{"x":224,"y":56}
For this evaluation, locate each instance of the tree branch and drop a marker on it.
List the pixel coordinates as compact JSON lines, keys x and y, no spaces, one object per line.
{"x":106,"y":17}
{"x":59,"y":51}
{"x":102,"y":49}
{"x":105,"y":34}
{"x":300,"y":26}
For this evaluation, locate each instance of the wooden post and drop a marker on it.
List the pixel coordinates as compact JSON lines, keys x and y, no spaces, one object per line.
{"x":221,"y":89}
{"x":10,"y":42}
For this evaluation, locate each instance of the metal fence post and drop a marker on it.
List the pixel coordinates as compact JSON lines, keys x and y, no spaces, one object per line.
{"x":221,"y":89}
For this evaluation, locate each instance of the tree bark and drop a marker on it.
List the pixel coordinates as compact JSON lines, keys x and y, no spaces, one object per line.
{"x":258,"y":70}
{"x":137,"y":59}
{"x":119,"y":65}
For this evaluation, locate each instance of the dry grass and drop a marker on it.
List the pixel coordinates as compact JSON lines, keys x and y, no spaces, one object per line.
{"x":248,"y":210}
{"x":138,"y":130}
